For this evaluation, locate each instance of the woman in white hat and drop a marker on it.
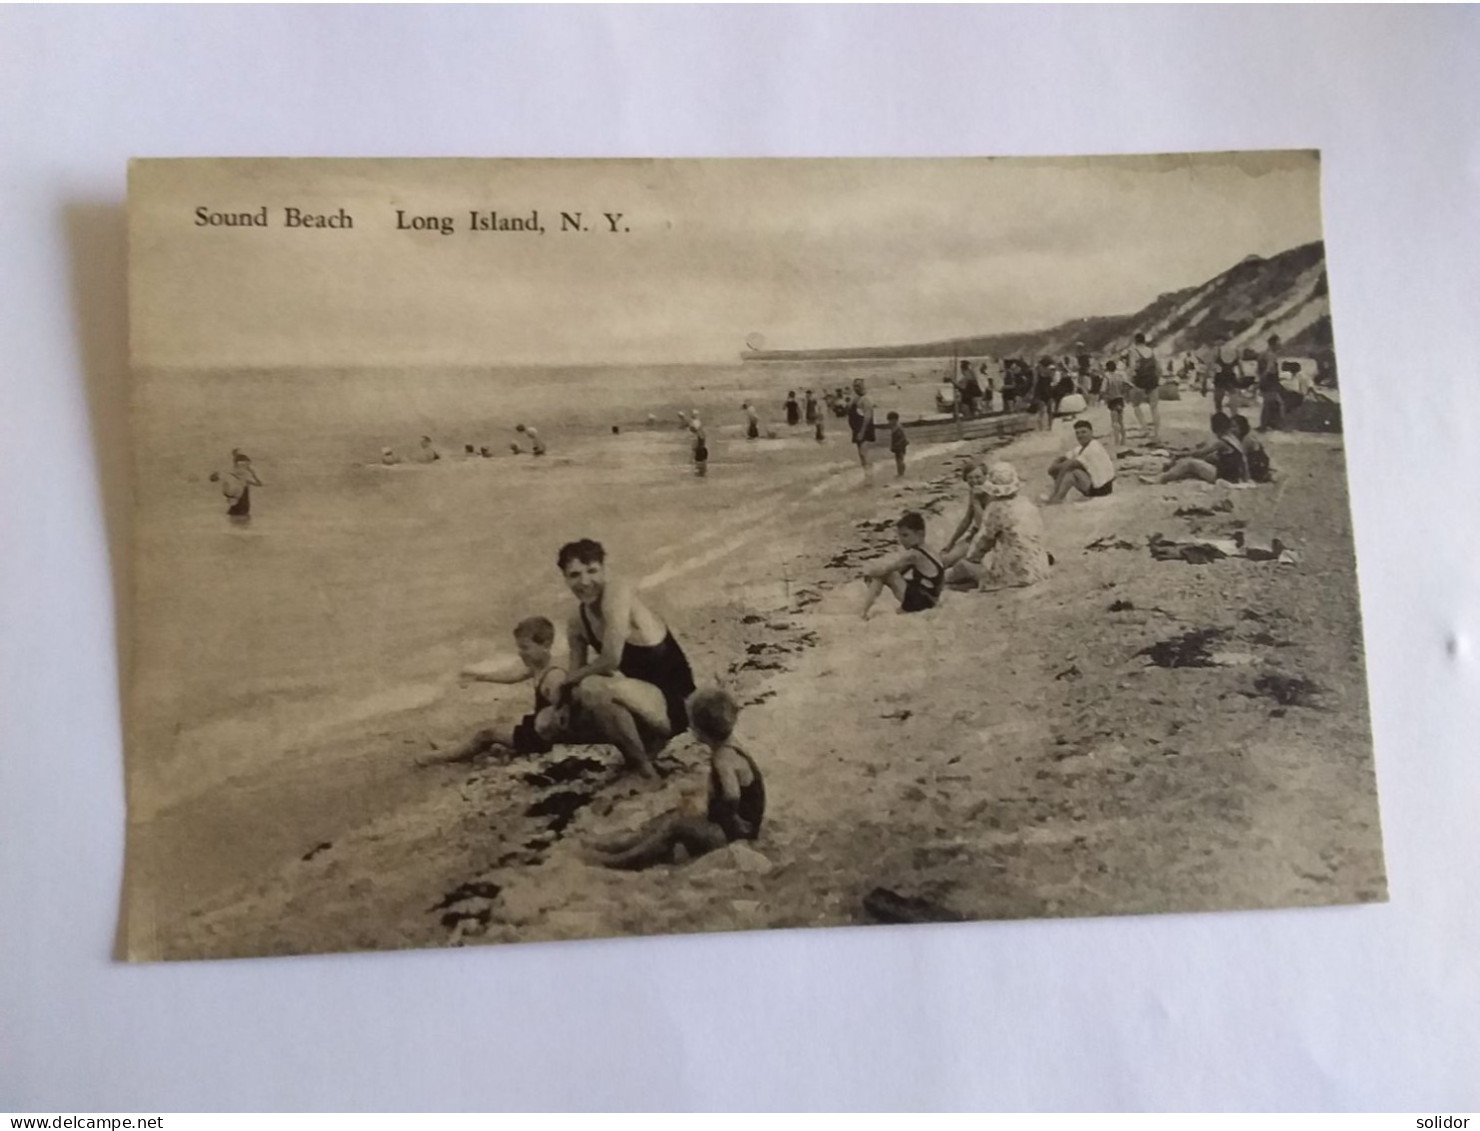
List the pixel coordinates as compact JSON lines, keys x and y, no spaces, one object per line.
{"x":1008,"y":550}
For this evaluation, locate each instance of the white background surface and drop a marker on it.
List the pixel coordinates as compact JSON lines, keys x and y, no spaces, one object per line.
{"x":1360,"y":1008}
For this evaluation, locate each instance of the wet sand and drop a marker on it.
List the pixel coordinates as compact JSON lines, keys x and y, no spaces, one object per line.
{"x":1007,"y":755}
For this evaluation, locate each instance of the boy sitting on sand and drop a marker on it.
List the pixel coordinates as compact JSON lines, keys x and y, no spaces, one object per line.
{"x":737,"y":797}
{"x":536,"y":732}
{"x":915,"y":576}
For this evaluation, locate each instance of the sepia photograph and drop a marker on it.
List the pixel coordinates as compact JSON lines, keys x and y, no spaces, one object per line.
{"x":534,"y":550}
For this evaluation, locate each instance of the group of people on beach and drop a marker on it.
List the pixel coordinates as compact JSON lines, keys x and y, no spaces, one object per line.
{"x":999,"y":542}
{"x":856,"y":407}
{"x":629,"y":685}
{"x":1137,"y":375}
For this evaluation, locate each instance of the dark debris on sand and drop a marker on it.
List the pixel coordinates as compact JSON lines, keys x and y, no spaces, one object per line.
{"x":886,"y":906}
{"x":565,"y":770}
{"x":1188,"y":650}
{"x":1287,"y":690}
{"x":560,"y":806}
{"x":476,"y":889}
{"x":1204,"y":512}
{"x":1110,"y":542}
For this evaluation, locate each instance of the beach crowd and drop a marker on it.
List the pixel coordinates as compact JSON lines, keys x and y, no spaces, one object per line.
{"x":628,"y":683}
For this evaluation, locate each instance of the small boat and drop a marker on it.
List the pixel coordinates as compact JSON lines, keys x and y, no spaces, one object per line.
{"x":942,"y":428}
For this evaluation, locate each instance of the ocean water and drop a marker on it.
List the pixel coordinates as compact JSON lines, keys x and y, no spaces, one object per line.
{"x":357,"y":590}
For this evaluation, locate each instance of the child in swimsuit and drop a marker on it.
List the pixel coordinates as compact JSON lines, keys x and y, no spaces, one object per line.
{"x":899,"y":443}
{"x":916,"y":576}
{"x":975,"y":474}
{"x":736,"y":805}
{"x":536,"y":732}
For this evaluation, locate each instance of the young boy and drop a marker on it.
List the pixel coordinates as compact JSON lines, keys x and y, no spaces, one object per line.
{"x":737,"y":796}
{"x":1115,"y":389}
{"x":536,"y":732}
{"x":915,"y":576}
{"x":899,"y":443}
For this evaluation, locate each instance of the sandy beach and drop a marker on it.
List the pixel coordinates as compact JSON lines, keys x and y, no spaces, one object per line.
{"x":1177,"y":736}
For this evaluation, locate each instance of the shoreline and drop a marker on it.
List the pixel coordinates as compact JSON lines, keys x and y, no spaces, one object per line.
{"x":980,"y":780}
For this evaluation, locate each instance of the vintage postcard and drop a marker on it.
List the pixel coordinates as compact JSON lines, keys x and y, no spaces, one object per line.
{"x":536,"y":549}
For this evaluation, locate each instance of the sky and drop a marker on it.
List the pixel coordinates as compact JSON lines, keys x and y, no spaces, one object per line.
{"x":707,"y":253}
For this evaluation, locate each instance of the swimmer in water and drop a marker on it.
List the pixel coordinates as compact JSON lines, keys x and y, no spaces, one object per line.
{"x":237,"y":484}
{"x":701,"y":444}
{"x":536,"y":444}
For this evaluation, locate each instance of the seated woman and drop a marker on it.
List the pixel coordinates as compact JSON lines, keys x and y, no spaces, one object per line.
{"x":1008,"y":551}
{"x":1260,"y":470}
{"x":1221,"y":460}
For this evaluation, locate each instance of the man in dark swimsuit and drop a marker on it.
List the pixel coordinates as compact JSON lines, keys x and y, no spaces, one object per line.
{"x":861,"y":424}
{"x":629,"y":677}
{"x":1225,"y":376}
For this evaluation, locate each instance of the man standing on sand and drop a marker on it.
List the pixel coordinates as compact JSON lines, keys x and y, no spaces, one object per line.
{"x":861,"y":425}
{"x":1225,"y":376}
{"x":1271,"y":390}
{"x":968,"y":390}
{"x":628,"y":677}
{"x":1146,"y":384}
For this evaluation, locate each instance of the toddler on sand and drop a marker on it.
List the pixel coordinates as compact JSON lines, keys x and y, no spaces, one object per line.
{"x":737,"y":797}
{"x":536,"y":732}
